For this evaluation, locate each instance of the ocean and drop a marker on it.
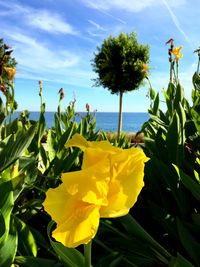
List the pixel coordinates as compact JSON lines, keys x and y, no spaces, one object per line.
{"x":106,"y":121}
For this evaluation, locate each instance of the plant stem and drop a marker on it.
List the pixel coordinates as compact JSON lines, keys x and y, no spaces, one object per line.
{"x":87,"y":254}
{"x":120,"y":116}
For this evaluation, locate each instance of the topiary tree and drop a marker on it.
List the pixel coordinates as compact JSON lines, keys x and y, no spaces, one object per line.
{"x":121,"y":65}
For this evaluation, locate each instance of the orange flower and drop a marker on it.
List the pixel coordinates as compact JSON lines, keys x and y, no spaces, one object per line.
{"x":10,"y":72}
{"x":145,"y":68}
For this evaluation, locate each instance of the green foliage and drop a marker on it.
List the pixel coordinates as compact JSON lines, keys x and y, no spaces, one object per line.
{"x":170,"y":199}
{"x":166,"y":228}
{"x":119,"y":63}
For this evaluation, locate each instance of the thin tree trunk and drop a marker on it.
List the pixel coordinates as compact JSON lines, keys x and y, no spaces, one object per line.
{"x":120,"y":115}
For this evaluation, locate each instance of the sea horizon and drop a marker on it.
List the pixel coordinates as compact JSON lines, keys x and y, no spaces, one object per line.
{"x":106,"y":121}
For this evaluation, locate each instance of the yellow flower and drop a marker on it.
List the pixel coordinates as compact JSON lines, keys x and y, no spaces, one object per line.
{"x":145,"y":68}
{"x":177,"y":53}
{"x":107,"y":186}
{"x":10,"y":72}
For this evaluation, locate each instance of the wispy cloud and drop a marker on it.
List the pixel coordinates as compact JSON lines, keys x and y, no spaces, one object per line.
{"x":131,"y":5}
{"x":36,"y":57}
{"x":96,"y":30}
{"x":42,"y":19}
{"x":96,"y":25}
{"x":50,"y":22}
{"x":176,"y":22}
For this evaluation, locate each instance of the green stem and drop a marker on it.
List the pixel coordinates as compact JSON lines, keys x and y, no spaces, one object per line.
{"x":177,"y":71}
{"x":87,"y":254}
{"x":171,"y":66}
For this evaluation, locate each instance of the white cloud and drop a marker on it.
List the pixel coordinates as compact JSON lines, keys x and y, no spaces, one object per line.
{"x":48,"y":21}
{"x":96,"y":25}
{"x":130,"y":6}
{"x":42,"y":19}
{"x":36,"y":57}
{"x":176,"y":21}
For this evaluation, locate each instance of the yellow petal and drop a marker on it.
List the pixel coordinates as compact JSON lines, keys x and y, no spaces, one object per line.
{"x":127,"y":172}
{"x":80,"y":225}
{"x":91,"y":184}
{"x":93,"y":156}
{"x":104,"y":146}
{"x":79,"y":141}
{"x":56,"y":202}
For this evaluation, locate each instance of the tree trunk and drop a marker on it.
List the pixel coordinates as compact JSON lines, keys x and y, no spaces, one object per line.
{"x":120,"y":115}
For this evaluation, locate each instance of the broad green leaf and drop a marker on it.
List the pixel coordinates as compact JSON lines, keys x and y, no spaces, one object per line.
{"x":28,"y":261}
{"x":2,"y":229}
{"x":135,"y":229}
{"x":178,"y":96}
{"x":15,"y":148}
{"x":188,"y":241}
{"x":189,"y":183}
{"x":70,"y":256}
{"x":6,"y":205}
{"x":158,"y":120}
{"x":9,"y":248}
{"x":57,"y":126}
{"x":171,"y":91}
{"x":27,"y":244}
{"x":152,"y":93}
{"x":168,"y":102}
{"x":41,"y":125}
{"x":196,"y":118}
{"x":65,"y":138}
{"x":112,"y":260}
{"x":182,"y":117}
{"x":196,"y":81}
{"x":156,"y":104}
{"x":180,"y":261}
{"x":51,"y":144}
{"x":43,"y":155}
{"x":174,"y":140}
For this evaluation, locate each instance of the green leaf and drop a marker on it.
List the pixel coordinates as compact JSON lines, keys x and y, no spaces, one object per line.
{"x":133,"y":228}
{"x":189,"y":183}
{"x":178,"y":96}
{"x":6,"y":206}
{"x":9,"y":248}
{"x":15,"y":148}
{"x":196,"y":81}
{"x":174,"y":140}
{"x":152,"y":93}
{"x":158,"y":121}
{"x":196,"y":118}
{"x":51,"y":144}
{"x":188,"y":241}
{"x":70,"y":256}
{"x":27,"y":244}
{"x":41,"y":126}
{"x":65,"y":138}
{"x":57,"y":126}
{"x":180,"y":261}
{"x":182,"y":117}
{"x":2,"y":228}
{"x":28,"y":261}
{"x":156,"y":104}
{"x":112,"y":260}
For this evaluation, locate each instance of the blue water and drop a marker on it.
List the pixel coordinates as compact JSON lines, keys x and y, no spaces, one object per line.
{"x":107,"y":121}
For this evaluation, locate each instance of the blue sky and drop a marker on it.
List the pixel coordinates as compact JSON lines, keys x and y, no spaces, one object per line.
{"x":55,"y":40}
